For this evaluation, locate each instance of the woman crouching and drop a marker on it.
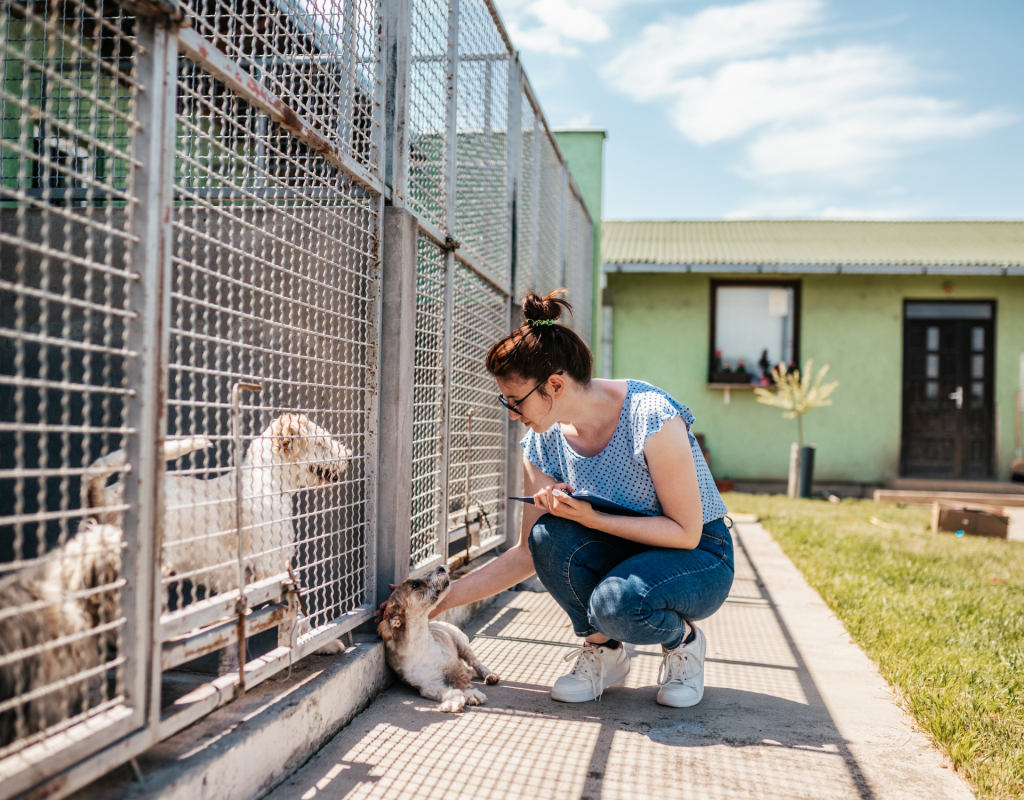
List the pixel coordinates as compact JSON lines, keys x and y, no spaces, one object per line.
{"x":642,"y":580}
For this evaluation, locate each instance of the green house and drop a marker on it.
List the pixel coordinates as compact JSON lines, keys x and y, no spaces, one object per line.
{"x":921,"y":322}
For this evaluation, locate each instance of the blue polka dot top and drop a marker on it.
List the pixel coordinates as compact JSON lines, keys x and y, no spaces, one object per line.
{"x":619,"y":472}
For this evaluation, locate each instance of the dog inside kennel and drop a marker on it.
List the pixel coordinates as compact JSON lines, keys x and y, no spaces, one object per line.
{"x":239,"y":460}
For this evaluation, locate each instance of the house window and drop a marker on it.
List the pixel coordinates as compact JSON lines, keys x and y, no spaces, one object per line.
{"x":754,"y":326}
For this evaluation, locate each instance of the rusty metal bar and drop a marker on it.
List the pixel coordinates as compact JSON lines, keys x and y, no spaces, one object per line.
{"x":241,"y":606}
{"x":219,"y":607}
{"x":206,"y":55}
{"x":183,"y":649}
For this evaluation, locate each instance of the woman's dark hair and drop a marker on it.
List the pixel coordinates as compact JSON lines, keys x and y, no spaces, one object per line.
{"x":540,"y":347}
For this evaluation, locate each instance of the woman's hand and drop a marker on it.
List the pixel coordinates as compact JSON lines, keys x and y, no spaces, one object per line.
{"x":558,"y":501}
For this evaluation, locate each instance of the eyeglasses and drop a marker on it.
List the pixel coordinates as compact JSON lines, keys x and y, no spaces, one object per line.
{"x":515,"y":408}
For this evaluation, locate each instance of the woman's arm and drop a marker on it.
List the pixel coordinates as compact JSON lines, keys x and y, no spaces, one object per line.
{"x":511,"y":567}
{"x":670,"y":461}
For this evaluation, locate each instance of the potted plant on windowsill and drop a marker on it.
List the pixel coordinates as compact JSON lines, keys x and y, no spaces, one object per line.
{"x":723,"y":372}
{"x":797,"y":393}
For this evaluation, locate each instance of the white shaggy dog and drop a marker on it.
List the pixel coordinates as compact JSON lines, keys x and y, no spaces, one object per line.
{"x":48,"y":658}
{"x":431,"y":656}
{"x":200,"y":535}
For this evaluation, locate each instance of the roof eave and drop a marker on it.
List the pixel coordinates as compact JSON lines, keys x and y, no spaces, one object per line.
{"x":977,"y":270}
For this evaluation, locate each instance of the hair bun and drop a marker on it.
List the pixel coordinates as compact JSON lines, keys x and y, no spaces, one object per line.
{"x":550,"y":307}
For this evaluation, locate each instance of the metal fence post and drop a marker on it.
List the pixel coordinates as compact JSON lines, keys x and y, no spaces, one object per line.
{"x":513,"y":150}
{"x":397,"y":356}
{"x":396,"y":99}
{"x":451,"y":118}
{"x":150,"y":259}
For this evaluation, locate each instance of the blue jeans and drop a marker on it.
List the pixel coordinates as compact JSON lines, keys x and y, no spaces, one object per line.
{"x":628,"y":591}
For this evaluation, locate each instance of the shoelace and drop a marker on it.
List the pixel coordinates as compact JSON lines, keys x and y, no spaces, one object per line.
{"x":584,"y":656}
{"x":674,"y":668}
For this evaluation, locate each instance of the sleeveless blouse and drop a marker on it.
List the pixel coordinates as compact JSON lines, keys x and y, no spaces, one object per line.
{"x":619,"y":472}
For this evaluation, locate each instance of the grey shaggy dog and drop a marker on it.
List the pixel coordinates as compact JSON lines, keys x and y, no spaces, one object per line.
{"x":58,"y":620}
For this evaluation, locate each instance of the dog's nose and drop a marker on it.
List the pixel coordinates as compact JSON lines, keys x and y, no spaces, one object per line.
{"x":441,"y":571}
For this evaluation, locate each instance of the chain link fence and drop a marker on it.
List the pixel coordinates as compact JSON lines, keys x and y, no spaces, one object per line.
{"x":191,"y":256}
{"x":504,"y":217}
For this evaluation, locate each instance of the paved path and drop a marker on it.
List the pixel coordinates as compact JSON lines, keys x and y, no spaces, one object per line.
{"x":792,"y":709}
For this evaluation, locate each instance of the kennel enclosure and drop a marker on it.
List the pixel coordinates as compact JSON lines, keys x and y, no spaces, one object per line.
{"x":192,"y":200}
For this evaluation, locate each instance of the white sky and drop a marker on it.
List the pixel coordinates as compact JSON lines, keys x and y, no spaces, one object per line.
{"x":788,"y":108}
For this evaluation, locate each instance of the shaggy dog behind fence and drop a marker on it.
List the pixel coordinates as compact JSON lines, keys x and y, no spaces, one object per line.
{"x":200,"y":540}
{"x":59,"y":622}
{"x":431,"y":656}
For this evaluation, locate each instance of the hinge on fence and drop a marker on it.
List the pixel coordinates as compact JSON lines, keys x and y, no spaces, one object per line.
{"x":451,"y":244}
{"x":160,"y":9}
{"x":292,"y":586}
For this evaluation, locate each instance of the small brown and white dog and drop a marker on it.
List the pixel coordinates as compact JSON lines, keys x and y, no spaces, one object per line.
{"x":49,"y":660}
{"x":430,"y":656}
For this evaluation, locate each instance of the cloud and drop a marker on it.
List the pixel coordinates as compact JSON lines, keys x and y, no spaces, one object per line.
{"x":555,"y":26}
{"x":838,"y":114}
{"x":652,"y":66}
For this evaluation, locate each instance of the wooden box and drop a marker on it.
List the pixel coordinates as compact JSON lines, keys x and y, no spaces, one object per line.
{"x":975,"y":521}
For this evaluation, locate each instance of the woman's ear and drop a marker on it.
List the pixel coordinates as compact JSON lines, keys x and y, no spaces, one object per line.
{"x":393,"y":619}
{"x":557,"y":386}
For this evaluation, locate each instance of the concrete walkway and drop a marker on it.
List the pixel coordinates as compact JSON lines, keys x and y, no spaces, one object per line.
{"x":792,"y":709}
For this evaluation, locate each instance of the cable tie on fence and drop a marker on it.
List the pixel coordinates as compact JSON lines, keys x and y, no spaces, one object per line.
{"x":451,"y":244}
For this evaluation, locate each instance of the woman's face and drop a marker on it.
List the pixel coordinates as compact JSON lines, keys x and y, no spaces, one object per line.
{"x":535,"y":410}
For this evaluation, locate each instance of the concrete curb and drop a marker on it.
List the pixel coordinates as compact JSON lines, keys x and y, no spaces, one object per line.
{"x":248,"y":747}
{"x":894,"y":758}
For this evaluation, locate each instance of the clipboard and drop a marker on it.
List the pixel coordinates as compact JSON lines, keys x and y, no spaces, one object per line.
{"x":598,"y":502}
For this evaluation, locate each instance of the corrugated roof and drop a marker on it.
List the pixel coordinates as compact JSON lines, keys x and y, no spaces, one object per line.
{"x":819,"y":242}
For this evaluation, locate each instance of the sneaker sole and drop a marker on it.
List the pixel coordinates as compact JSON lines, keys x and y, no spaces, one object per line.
{"x":583,"y":697}
{"x":685,"y":704}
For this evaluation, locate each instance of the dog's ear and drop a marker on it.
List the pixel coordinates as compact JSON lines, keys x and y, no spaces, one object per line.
{"x":392,"y":620}
{"x":289,"y":432}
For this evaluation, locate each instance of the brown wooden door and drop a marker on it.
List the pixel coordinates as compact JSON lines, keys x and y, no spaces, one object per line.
{"x":947,"y":389}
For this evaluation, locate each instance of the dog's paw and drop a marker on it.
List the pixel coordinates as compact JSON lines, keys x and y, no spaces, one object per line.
{"x":491,"y":679}
{"x":475,"y":697}
{"x":332,"y":648}
{"x":453,"y":706}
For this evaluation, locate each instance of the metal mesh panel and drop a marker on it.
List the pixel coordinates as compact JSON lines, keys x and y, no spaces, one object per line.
{"x":66,"y":210}
{"x":571,"y":244}
{"x":548,"y":272}
{"x":319,"y":58}
{"x":427,"y":110}
{"x":526,"y":200}
{"x":274,"y":282}
{"x":477,"y":439}
{"x":578,"y":266}
{"x":481,"y":183}
{"x":583,"y":288}
{"x":428,"y":397}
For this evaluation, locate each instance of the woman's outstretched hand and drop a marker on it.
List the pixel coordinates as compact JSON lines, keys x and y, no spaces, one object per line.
{"x":558,"y":501}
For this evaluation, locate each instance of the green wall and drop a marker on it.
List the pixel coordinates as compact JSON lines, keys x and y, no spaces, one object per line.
{"x":584,"y":151}
{"x":854,"y":323}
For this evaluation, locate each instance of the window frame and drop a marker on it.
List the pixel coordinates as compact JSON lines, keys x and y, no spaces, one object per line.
{"x":767,"y":283}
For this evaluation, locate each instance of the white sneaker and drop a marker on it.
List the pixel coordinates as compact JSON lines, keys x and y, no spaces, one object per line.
{"x":595,"y":669}
{"x":682,"y":673}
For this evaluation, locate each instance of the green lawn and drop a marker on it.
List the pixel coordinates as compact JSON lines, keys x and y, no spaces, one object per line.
{"x":942,"y":616}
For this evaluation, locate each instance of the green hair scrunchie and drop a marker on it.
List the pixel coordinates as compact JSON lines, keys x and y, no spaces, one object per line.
{"x":536,"y":322}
